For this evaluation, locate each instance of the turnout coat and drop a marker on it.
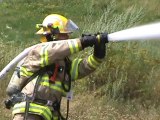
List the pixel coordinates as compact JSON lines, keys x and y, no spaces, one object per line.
{"x":49,"y":88}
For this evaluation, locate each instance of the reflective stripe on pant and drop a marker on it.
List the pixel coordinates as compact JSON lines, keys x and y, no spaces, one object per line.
{"x":34,"y":108}
{"x":30,"y":117}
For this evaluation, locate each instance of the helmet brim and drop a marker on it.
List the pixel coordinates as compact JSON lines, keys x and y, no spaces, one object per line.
{"x":40,"y":32}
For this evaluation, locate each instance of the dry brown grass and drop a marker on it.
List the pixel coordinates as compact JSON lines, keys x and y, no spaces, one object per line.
{"x":89,"y":107}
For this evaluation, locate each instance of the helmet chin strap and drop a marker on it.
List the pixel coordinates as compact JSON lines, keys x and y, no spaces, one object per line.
{"x":50,"y":37}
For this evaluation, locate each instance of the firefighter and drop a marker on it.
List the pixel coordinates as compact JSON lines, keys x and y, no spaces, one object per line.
{"x":44,"y":76}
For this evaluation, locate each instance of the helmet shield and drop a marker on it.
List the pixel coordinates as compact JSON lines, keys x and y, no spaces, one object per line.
{"x":71,"y":26}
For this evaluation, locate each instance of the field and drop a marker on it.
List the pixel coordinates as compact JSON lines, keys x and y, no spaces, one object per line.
{"x":125,"y":87}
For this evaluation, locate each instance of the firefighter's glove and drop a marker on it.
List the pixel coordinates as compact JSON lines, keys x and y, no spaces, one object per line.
{"x":100,"y":46}
{"x":90,"y":40}
{"x":15,"y":98}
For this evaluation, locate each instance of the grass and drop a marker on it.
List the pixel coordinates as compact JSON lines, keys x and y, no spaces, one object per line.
{"x":104,"y":108}
{"x":125,"y":86}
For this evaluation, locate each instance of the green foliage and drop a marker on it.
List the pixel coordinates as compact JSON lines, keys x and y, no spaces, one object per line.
{"x":129,"y":71}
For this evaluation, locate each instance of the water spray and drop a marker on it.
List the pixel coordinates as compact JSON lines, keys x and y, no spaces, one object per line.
{"x":145,"y":32}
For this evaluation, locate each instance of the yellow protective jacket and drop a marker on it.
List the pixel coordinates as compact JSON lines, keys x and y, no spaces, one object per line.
{"x":46,"y":54}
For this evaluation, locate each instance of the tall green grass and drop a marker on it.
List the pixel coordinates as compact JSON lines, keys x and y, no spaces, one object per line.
{"x":131,"y":69}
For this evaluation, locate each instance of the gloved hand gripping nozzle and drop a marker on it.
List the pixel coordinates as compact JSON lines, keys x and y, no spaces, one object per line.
{"x":98,"y":40}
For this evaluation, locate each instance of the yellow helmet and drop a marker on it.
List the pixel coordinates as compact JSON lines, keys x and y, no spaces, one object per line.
{"x":54,"y":24}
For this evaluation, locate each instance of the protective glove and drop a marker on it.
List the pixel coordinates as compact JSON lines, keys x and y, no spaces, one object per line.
{"x":15,"y":98}
{"x":95,"y":39}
